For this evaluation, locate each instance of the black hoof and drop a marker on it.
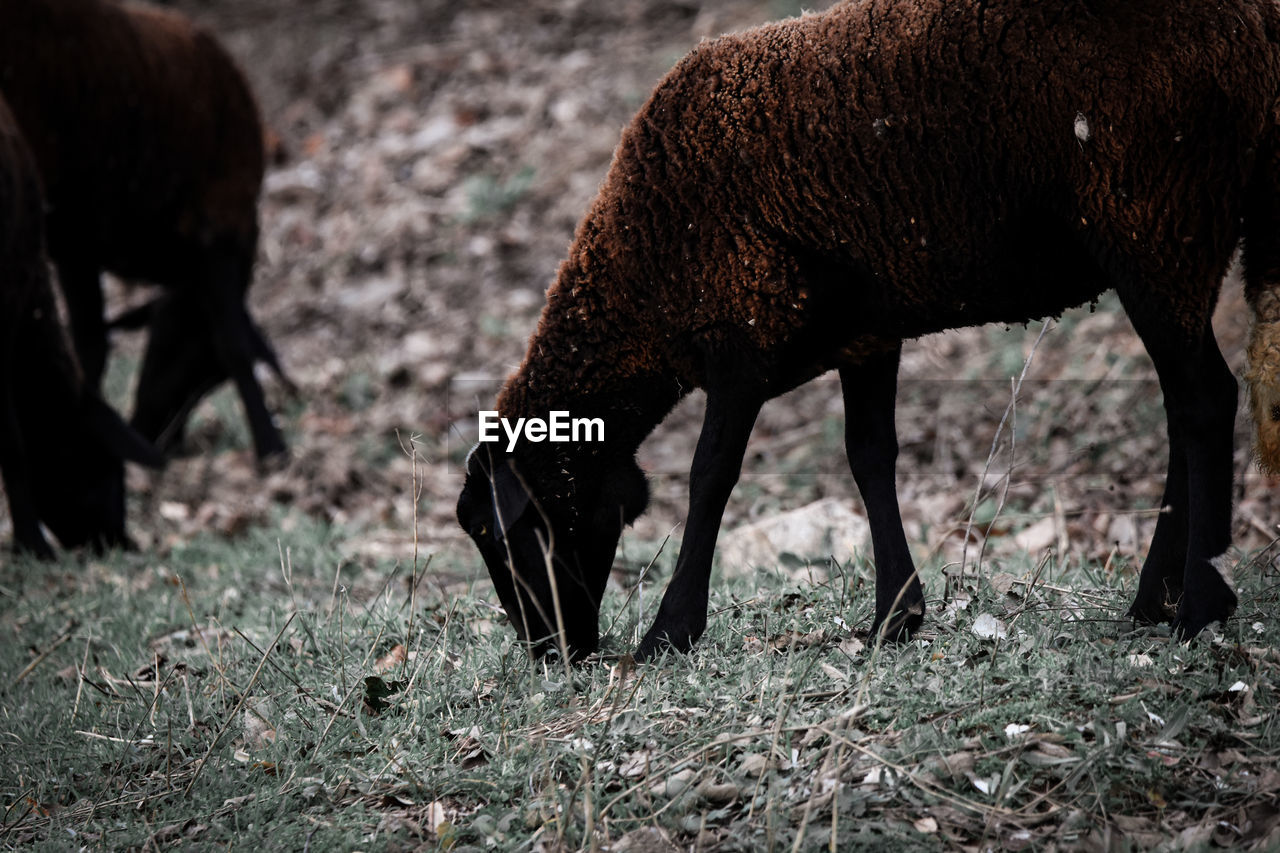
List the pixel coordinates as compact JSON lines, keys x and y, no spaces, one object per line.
{"x":274,"y":461}
{"x":34,"y":546}
{"x":659,"y":640}
{"x":1151,"y":610}
{"x":1207,"y":598}
{"x":901,"y":625}
{"x":1194,"y":617}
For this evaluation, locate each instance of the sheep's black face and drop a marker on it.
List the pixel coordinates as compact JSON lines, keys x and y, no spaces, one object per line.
{"x":78,"y":463}
{"x":77,"y":452}
{"x":80,"y":498}
{"x":544,"y":541}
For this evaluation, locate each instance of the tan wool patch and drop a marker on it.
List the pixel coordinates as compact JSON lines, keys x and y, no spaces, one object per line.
{"x":1264,"y":393}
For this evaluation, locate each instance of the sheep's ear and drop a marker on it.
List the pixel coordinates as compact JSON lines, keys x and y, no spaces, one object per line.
{"x":101,"y":420}
{"x":510,"y":497}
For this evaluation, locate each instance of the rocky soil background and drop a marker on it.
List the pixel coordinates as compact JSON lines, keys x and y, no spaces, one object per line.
{"x":436,"y":158}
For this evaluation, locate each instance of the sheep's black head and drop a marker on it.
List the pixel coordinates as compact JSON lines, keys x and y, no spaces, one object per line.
{"x":548,"y":534}
{"x":78,"y":474}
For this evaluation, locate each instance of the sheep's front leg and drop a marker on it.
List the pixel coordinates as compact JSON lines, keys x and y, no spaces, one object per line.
{"x":1200,"y":401}
{"x":871,"y":441}
{"x":717,"y":461}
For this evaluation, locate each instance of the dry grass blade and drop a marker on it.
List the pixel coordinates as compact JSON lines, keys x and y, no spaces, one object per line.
{"x":62,"y":638}
{"x":995,"y":443}
{"x":244,"y":696}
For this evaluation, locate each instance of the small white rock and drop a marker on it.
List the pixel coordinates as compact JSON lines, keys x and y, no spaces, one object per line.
{"x":825,"y":528}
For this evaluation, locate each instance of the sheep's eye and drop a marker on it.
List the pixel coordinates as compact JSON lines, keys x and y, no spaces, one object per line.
{"x":483,"y":530}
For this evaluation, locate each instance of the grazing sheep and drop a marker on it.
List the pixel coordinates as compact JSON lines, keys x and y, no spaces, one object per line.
{"x":61,"y":447}
{"x":807,"y":195}
{"x":150,"y":146}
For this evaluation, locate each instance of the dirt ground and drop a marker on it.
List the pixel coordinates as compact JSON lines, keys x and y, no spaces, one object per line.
{"x":437,"y":158}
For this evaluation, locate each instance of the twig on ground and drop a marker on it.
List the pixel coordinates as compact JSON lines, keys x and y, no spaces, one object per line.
{"x":62,"y":638}
{"x":244,"y":697}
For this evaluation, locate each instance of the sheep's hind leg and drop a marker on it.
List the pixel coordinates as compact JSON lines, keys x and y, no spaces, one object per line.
{"x":871,"y":441}
{"x":1160,"y":584}
{"x":179,"y":367}
{"x":235,"y":341}
{"x":1200,"y":400}
{"x":717,"y":461}
{"x":81,"y":284}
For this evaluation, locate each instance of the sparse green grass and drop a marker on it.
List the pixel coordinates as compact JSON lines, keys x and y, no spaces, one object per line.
{"x":489,"y":196}
{"x":123,"y":728}
{"x":118,"y":380}
{"x":218,"y":421}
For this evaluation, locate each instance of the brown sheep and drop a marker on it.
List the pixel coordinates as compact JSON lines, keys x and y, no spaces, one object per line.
{"x":809,"y":194}
{"x":151,"y":149}
{"x":61,"y":447}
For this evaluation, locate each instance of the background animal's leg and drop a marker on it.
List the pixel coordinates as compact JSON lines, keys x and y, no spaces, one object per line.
{"x":81,"y":285}
{"x":264,"y":352}
{"x":235,"y":342}
{"x":180,"y":366}
{"x":1200,"y":401}
{"x":16,"y":473}
{"x":717,"y":461}
{"x":1160,"y":584}
{"x":870,"y":396}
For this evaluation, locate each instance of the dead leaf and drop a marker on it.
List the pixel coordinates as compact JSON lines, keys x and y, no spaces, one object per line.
{"x":1036,"y":538}
{"x":926,"y":825}
{"x":753,"y":764}
{"x":1002,"y":582}
{"x":674,"y":785}
{"x":646,"y":839}
{"x":191,"y":640}
{"x":956,"y":765}
{"x":391,"y":659}
{"x":989,"y":627}
{"x":174,"y":511}
{"x":852,"y":646}
{"x":784,"y":642}
{"x":470,"y":751}
{"x":987,"y":785}
{"x":377,"y":691}
{"x":717,"y":793}
{"x":835,"y":674}
{"x":877,"y":777}
{"x":258,"y":732}
{"x":435,"y":816}
{"x":1054,"y":750}
{"x":635,"y":764}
